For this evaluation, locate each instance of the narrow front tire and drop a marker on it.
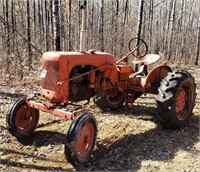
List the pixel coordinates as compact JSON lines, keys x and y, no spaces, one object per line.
{"x":22,"y":120}
{"x":81,"y":139}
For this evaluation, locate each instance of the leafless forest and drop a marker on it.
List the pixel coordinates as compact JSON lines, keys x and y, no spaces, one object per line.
{"x":30,"y":27}
{"x":129,"y":139}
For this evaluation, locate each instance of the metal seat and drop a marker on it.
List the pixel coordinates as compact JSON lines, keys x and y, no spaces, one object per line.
{"x":147,"y":59}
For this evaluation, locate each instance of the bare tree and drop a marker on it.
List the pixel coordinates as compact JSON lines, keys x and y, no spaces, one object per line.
{"x":140,"y":16}
{"x":29,"y":34}
{"x":101,"y":24}
{"x":198,"y":47}
{"x":28,"y":28}
{"x":56,"y":26}
{"x":116,"y":4}
{"x":171,"y":26}
{"x":47,"y":24}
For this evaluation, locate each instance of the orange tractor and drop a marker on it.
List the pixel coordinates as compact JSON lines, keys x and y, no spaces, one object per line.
{"x":70,"y":77}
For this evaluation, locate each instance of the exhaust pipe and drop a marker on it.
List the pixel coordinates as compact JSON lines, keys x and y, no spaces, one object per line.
{"x":83,"y":32}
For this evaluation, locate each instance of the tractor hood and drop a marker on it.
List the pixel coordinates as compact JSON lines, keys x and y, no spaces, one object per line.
{"x":78,"y":58}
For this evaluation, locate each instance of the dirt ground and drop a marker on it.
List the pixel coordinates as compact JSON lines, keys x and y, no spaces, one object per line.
{"x":128,"y":140}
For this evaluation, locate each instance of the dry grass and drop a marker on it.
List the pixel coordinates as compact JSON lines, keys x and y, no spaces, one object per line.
{"x":130,"y":139}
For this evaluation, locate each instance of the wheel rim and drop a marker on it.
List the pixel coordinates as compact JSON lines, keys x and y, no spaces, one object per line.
{"x":85,"y":140}
{"x":25,"y":119}
{"x":183,"y":102}
{"x":114,"y":96}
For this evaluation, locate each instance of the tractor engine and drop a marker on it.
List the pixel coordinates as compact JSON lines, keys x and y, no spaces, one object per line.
{"x":78,"y":88}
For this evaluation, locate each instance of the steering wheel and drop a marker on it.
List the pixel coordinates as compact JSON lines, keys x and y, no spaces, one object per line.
{"x":142,"y":47}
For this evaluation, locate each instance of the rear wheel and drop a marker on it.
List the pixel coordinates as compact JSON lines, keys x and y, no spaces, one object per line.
{"x":81,"y":139}
{"x":176,"y":99}
{"x":21,"y":119}
{"x":113,"y":99}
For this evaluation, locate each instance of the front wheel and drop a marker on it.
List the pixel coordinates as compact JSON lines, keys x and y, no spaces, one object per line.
{"x":81,"y":139}
{"x":176,"y":99}
{"x":21,"y":120}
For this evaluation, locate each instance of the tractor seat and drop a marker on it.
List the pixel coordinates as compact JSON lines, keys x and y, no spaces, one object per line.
{"x":147,"y":59}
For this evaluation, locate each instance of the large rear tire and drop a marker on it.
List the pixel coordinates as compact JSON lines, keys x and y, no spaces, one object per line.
{"x":176,"y":99}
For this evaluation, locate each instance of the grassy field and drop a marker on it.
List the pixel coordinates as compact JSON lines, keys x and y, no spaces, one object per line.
{"x":128,"y":140}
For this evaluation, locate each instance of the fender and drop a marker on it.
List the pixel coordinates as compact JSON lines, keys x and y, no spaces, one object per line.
{"x":151,"y":82}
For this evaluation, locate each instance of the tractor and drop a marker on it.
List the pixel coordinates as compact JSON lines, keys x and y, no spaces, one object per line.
{"x":68,"y":78}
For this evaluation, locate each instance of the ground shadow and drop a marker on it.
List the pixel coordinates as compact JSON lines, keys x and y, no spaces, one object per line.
{"x":32,"y":166}
{"x":137,"y":111}
{"x":158,"y":144}
{"x":38,"y":139}
{"x":44,"y":138}
{"x":126,"y":153}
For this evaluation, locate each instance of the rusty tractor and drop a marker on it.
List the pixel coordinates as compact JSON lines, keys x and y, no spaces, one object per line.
{"x":70,"y":77}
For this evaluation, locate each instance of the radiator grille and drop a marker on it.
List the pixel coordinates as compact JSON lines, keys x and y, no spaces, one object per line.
{"x":50,"y":81}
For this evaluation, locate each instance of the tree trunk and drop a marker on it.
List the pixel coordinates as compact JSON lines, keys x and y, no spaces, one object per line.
{"x":46,"y":24}
{"x":116,"y":26}
{"x":170,"y":28}
{"x":198,"y":47}
{"x":39,"y":18}
{"x":56,"y":26}
{"x":13,"y":18}
{"x":34,"y":21}
{"x":125,"y":12}
{"x":29,"y":34}
{"x":151,"y":23}
{"x":69,"y":26}
{"x":139,"y":25}
{"x":101,"y":25}
{"x":42,"y":20}
{"x":52,"y":23}
{"x":8,"y":28}
{"x":63,"y":27}
{"x":140,"y":16}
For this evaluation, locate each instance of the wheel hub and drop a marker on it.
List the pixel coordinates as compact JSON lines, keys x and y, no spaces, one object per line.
{"x":25,"y":117}
{"x":85,"y":140}
{"x":180,"y":102}
{"x":114,"y":96}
